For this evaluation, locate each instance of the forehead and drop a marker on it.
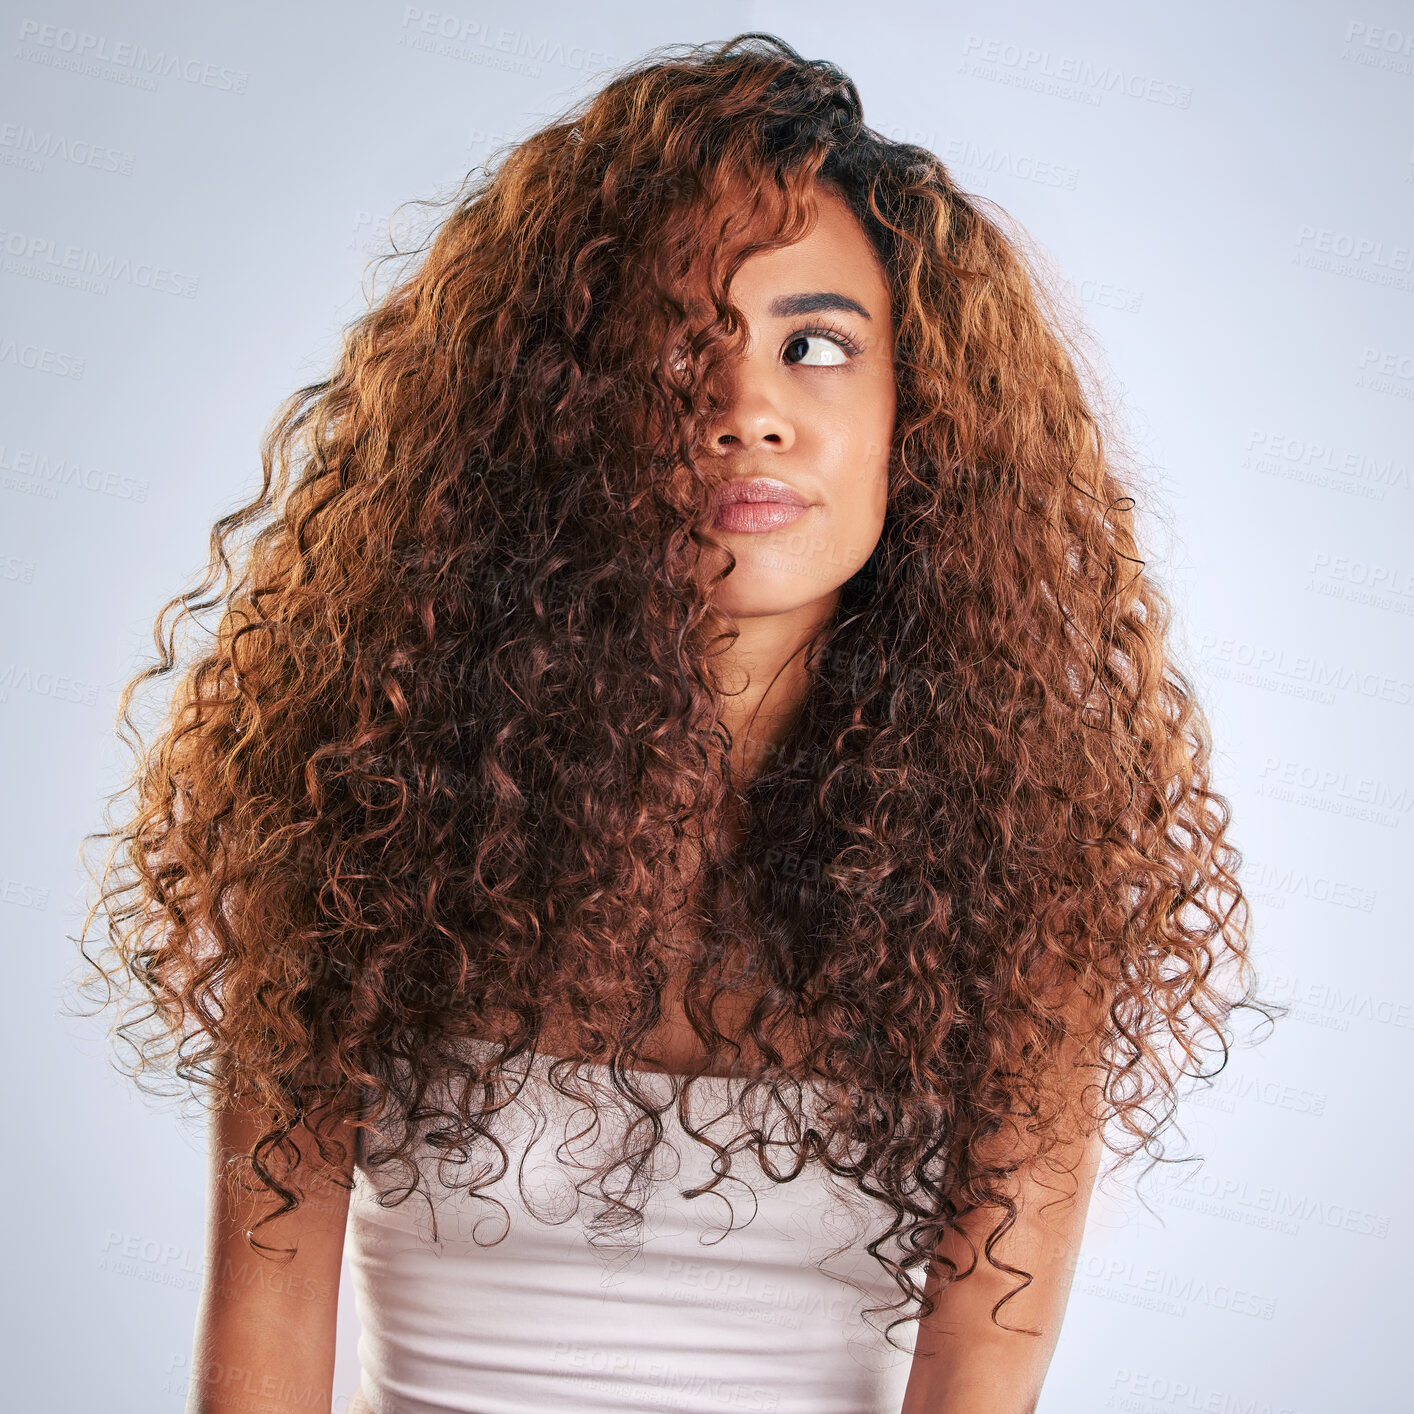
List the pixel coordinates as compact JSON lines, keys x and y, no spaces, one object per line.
{"x":835,"y":254}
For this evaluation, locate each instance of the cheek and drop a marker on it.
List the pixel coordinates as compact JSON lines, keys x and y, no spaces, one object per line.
{"x":872,"y":416}
{"x":870,"y":500}
{"x":871,"y":440}
{"x":861,"y":491}
{"x":851,"y":462}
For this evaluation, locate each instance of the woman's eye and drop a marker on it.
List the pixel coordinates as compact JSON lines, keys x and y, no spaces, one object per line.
{"x":826,"y":353}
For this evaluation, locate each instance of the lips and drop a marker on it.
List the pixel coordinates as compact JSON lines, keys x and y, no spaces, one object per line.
{"x":758,"y":503}
{"x":756,"y":489}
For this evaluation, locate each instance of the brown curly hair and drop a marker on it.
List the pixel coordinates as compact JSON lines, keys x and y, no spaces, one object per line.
{"x":460,"y":713}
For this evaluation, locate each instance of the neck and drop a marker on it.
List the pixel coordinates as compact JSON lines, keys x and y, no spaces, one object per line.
{"x":765,"y":682}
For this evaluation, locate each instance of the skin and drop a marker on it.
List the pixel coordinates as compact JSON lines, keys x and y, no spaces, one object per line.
{"x":817,"y":414}
{"x":963,"y":1361}
{"x":266,"y":1333}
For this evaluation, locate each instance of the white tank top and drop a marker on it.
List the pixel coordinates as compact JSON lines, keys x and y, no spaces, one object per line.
{"x":711,"y":1310}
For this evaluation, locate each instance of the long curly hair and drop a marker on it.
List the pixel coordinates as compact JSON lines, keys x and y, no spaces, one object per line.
{"x":458,"y":719}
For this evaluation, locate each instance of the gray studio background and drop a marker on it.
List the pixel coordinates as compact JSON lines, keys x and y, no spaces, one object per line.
{"x":190,"y":199}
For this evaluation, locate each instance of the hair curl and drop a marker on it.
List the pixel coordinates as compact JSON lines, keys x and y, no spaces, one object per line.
{"x":459,"y":713}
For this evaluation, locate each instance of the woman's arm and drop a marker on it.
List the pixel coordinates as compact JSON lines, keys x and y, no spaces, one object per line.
{"x":975,"y":1366}
{"x":266,"y":1326}
{"x":963,"y":1361}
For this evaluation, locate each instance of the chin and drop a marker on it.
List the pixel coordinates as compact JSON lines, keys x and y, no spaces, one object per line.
{"x":748,"y":596}
{"x":771,"y":576}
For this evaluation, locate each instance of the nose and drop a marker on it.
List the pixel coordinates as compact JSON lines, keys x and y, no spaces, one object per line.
{"x":753,"y":417}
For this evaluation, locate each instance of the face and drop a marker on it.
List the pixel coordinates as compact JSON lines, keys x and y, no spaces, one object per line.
{"x":811,"y":409}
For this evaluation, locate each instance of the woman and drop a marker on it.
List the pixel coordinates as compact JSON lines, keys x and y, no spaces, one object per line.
{"x":696,"y":669}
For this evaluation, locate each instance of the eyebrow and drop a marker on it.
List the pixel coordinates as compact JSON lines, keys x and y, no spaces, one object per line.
{"x":789,"y":306}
